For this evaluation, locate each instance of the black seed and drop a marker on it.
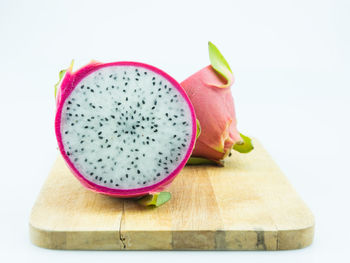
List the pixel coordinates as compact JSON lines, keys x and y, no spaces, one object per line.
{"x":86,"y":127}
{"x":91,"y":173}
{"x":112,"y":116}
{"x":81,"y":141}
{"x":160,"y":153}
{"x":138,"y":171}
{"x":82,"y":86}
{"x":92,"y":90}
{"x":155,"y":130}
{"x":99,"y":160}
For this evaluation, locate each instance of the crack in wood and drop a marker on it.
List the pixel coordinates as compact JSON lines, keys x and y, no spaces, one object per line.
{"x":121,"y":237}
{"x":260,"y":240}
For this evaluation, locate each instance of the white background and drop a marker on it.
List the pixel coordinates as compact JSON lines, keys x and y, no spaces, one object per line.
{"x":291,"y":62}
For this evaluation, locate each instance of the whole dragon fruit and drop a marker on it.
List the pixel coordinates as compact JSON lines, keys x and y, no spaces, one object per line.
{"x":125,"y":129}
{"x":210,"y":93}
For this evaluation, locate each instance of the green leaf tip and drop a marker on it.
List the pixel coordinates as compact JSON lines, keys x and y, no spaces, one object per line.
{"x":61,"y":75}
{"x":155,"y":200}
{"x":219,"y":63}
{"x":244,"y":146}
{"x":199,"y":129}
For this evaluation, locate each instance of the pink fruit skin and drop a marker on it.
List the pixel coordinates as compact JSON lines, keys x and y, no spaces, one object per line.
{"x":69,"y":82}
{"x":211,"y":97}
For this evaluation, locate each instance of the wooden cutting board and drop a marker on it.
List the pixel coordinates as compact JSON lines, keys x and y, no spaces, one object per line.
{"x":246,"y":205}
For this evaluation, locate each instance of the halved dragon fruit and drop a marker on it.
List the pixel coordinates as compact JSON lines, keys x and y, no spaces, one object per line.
{"x":125,"y":129}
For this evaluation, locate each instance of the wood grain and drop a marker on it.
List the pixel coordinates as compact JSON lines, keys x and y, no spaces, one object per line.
{"x":247,"y":205}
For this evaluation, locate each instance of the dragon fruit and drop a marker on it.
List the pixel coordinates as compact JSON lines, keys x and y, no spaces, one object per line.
{"x":125,"y":129}
{"x":210,"y":93}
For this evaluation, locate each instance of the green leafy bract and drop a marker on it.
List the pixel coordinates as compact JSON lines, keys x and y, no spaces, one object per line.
{"x":219,"y":63}
{"x":198,"y":129}
{"x":201,"y":160}
{"x":60,"y":77}
{"x":155,"y":200}
{"x":244,"y":146}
